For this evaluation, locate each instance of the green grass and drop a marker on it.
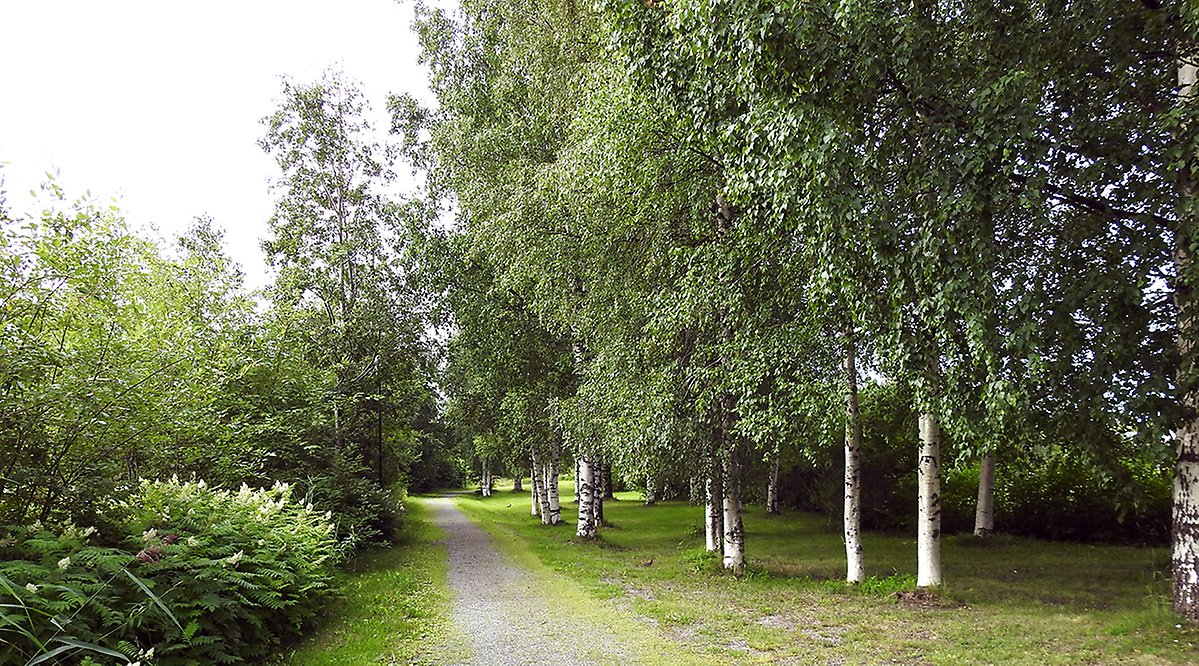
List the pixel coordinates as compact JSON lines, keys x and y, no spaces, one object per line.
{"x":394,"y":609}
{"x":1012,"y":601}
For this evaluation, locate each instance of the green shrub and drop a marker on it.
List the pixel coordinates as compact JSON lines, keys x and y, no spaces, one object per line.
{"x":206,"y":577}
{"x":362,"y":512}
{"x":242,"y":570}
{"x":59,"y":592}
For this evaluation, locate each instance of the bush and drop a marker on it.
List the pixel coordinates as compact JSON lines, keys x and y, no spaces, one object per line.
{"x":59,"y":590}
{"x":207,"y":576}
{"x":363,"y":512}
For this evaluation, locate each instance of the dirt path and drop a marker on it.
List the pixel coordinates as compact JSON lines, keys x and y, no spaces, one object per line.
{"x":505,"y":615}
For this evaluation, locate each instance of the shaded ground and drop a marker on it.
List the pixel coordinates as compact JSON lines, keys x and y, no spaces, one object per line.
{"x":505,"y":612}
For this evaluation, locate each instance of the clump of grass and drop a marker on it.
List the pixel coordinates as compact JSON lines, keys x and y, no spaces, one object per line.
{"x":887,"y":585}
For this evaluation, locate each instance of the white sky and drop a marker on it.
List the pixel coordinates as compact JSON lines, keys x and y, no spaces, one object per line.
{"x":157,"y":103}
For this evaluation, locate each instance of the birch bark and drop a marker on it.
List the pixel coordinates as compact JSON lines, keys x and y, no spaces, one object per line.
{"x":554,"y":506}
{"x":772,"y":487}
{"x":984,"y":513}
{"x":540,"y":492}
{"x":585,"y":485}
{"x":714,"y":509}
{"x":534,"y":509}
{"x":578,"y":471}
{"x":928,"y":536}
{"x":855,"y":570}
{"x":734,"y":531}
{"x":1185,"y":529}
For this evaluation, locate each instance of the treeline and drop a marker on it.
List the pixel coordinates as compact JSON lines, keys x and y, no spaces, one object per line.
{"x":126,"y":362}
{"x":691,"y":234}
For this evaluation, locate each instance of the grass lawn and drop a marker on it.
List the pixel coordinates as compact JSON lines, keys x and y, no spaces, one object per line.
{"x":1013,"y":601}
{"x":394,"y":609}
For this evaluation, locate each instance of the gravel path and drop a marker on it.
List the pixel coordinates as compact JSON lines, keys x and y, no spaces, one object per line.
{"x":501,"y":610}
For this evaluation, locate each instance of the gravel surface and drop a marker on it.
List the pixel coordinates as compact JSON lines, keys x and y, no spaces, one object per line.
{"x":502,"y":612}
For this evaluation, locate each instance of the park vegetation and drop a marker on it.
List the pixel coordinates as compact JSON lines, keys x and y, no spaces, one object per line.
{"x":863,"y":257}
{"x":918,"y":266}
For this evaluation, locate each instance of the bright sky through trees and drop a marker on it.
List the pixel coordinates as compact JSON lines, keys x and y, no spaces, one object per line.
{"x":159,"y":103}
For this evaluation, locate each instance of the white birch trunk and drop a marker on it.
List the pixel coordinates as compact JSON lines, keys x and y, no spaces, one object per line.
{"x":578,"y":471}
{"x":984,"y":512}
{"x":534,"y":509}
{"x":651,"y":492}
{"x":585,"y":485}
{"x":551,"y":491}
{"x":928,"y":531}
{"x":714,"y":511}
{"x":485,"y":479}
{"x":855,"y":570}
{"x":540,"y":492}
{"x":1185,"y":530}
{"x":734,"y":531}
{"x":772,"y":487}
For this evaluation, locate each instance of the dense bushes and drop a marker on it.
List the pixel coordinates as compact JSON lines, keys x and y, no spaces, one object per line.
{"x":1055,"y":490}
{"x":200,"y":576}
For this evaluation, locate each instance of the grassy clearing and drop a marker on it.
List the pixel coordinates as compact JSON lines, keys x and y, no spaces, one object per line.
{"x":1013,"y":601}
{"x":395,"y":608}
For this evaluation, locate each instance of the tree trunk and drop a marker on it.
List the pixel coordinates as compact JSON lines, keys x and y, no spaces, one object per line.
{"x":651,"y":492}
{"x":517,"y":487}
{"x":714,"y":509}
{"x":1185,"y":531}
{"x":540,"y":492}
{"x":984,"y":513}
{"x":379,"y":422}
{"x":535,"y":509}
{"x":597,"y":499}
{"x":855,"y":570}
{"x":734,"y":531}
{"x":578,"y":471}
{"x":772,"y":487}
{"x":585,"y":489}
{"x":554,"y":509}
{"x":928,"y":537}
{"x":608,"y":489}
{"x":485,"y":479}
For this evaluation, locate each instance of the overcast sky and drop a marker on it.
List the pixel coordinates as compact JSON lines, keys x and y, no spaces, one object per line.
{"x":158,"y":103}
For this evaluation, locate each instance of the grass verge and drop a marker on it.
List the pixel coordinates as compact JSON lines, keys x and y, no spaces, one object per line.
{"x":1011,"y":601}
{"x":394,"y":609}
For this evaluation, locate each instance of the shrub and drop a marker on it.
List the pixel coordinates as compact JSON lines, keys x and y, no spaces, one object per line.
{"x":363,"y":513}
{"x":62,"y":594}
{"x":242,"y":570}
{"x":206,"y":577}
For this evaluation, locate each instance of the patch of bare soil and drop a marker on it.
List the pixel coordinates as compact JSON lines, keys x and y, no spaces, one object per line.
{"x":925,"y":598}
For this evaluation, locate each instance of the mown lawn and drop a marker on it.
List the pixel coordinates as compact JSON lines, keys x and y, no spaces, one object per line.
{"x":1014,"y":601}
{"x":394,"y":609}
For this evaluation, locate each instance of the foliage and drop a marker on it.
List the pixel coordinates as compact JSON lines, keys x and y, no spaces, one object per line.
{"x":104,"y":380}
{"x":243,"y":571}
{"x":218,"y":577}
